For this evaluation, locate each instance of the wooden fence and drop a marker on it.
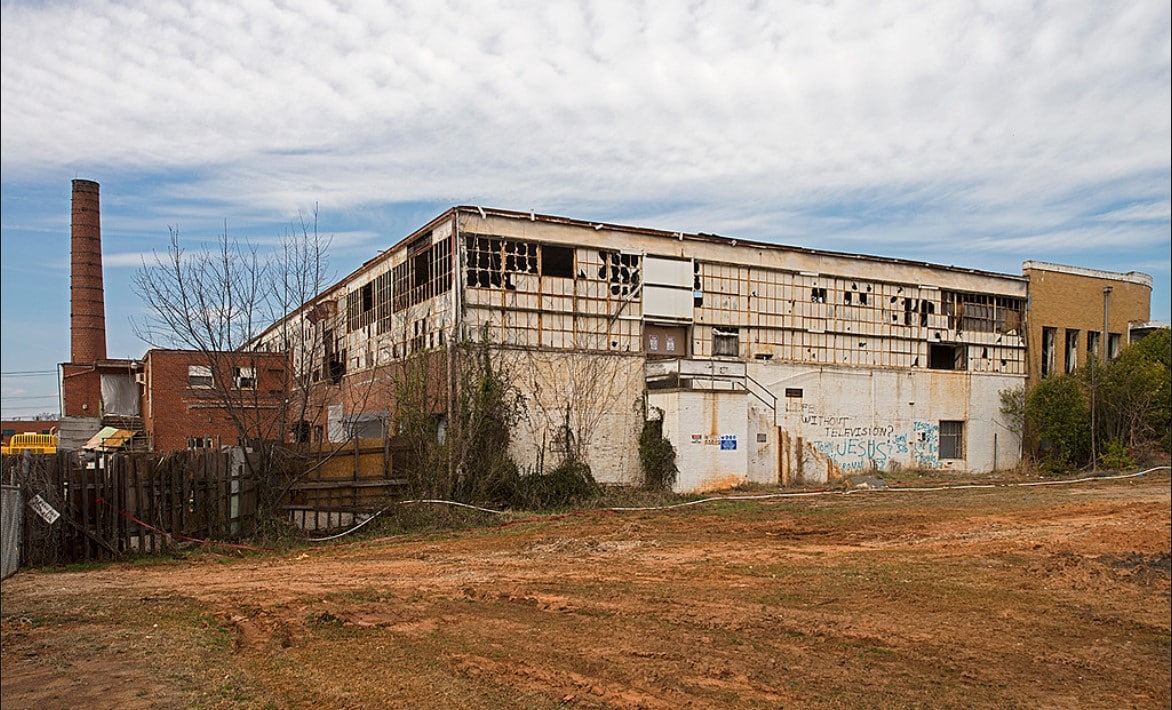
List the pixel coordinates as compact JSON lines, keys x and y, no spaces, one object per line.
{"x":346,"y":481}
{"x":112,"y":504}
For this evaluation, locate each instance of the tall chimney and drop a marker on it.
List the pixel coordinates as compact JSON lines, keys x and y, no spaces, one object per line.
{"x":87,"y":298}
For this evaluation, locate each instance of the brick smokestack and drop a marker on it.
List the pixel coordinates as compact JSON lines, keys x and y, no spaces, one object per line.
{"x":87,"y":297}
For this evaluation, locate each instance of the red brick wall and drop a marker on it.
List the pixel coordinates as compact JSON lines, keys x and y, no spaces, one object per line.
{"x":174,"y":411}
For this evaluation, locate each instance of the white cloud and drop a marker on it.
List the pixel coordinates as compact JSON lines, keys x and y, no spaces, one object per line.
{"x":925,"y":130}
{"x":710,"y":101}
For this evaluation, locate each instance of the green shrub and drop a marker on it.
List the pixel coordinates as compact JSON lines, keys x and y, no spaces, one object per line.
{"x":657,"y":456}
{"x":1056,"y":413}
{"x":1116,"y":455}
{"x":569,"y":484}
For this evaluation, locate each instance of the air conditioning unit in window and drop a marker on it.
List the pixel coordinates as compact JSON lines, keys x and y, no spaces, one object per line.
{"x":140,"y":378}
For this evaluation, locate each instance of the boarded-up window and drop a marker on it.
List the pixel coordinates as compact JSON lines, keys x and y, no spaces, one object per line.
{"x":665,"y":341}
{"x":726,"y":342}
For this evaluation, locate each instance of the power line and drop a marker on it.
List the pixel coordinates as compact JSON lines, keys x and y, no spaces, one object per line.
{"x":28,"y":373}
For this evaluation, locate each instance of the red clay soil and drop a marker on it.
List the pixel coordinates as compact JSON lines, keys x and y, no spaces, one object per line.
{"x":1047,"y":596}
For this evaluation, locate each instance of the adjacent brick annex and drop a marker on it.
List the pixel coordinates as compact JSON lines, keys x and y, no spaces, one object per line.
{"x":1070,"y":301}
{"x":182,"y":408}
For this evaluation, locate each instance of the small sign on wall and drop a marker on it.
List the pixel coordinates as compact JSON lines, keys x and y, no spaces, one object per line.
{"x":47,"y":512}
{"x":727,"y":442}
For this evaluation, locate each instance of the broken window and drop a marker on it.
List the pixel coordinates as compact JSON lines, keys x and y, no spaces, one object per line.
{"x":244,"y":377}
{"x":401,"y":276}
{"x":383,"y":302}
{"x":1048,"y":336}
{"x":726,"y":342}
{"x":697,"y":287}
{"x":300,"y":431}
{"x":199,"y":377}
{"x":333,"y":358}
{"x":360,"y":307}
{"x":947,"y":356}
{"x":426,"y":273}
{"x":951,"y":440}
{"x":620,"y":270}
{"x":491,"y":262}
{"x":557,"y":261}
{"x":1093,"y":337}
{"x":855,"y":295}
{"x":926,"y":309}
{"x":980,"y":313}
{"x":817,"y":295}
{"x":1071,"y":351}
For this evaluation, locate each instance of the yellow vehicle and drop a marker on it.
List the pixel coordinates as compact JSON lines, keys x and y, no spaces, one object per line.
{"x":34,"y":443}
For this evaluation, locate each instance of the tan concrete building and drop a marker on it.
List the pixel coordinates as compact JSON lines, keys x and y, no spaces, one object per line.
{"x":1078,"y":314}
{"x":768,"y":363}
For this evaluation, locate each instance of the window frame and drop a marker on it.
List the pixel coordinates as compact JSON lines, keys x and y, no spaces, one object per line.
{"x":196,"y":374}
{"x":955,"y":435}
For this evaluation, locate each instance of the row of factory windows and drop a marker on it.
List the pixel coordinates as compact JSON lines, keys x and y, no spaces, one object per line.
{"x":496,"y":262}
{"x":1070,"y":349}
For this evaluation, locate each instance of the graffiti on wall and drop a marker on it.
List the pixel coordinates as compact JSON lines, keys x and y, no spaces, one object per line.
{"x":858,"y":448}
{"x":926,"y":444}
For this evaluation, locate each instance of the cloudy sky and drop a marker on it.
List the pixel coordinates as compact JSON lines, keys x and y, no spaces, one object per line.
{"x":979,"y":134}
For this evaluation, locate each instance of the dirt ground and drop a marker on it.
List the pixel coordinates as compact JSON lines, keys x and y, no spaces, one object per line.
{"x":1052,"y":596}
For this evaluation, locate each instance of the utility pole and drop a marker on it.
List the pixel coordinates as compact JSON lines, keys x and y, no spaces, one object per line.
{"x":1106,"y":338}
{"x":1103,"y":344}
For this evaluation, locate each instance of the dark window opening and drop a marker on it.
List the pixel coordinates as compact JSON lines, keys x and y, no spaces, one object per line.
{"x":420,"y":273}
{"x":367,"y":297}
{"x":1093,"y":337}
{"x":846,"y":297}
{"x":1071,"y":351}
{"x":334,"y":358}
{"x":951,"y":440}
{"x":1113,"y":341}
{"x":817,"y":295}
{"x":793,"y":392}
{"x":1048,"y":336}
{"x":557,"y":261}
{"x":301,"y":432}
{"x":491,"y":262}
{"x":944,"y":356}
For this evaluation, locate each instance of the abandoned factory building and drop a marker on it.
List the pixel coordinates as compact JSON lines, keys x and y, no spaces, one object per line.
{"x":766,"y":363}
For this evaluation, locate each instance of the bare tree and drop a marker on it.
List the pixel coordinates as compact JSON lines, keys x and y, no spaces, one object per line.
{"x":219,"y":302}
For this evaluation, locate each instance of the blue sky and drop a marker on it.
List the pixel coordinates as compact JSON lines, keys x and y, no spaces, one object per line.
{"x":979,"y":134}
